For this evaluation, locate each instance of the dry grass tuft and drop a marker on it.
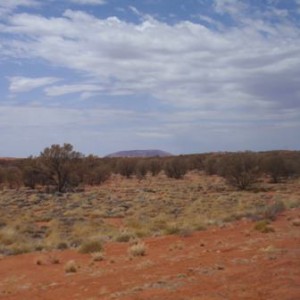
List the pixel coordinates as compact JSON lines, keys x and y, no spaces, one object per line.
{"x":91,"y":246}
{"x":71,"y":267}
{"x":97,"y":256}
{"x":264,"y":226}
{"x":137,"y":249}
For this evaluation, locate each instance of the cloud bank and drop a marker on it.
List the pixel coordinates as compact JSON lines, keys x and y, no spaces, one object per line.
{"x":246,"y":75}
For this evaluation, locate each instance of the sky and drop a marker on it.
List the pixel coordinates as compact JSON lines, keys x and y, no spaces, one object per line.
{"x":184,"y":76}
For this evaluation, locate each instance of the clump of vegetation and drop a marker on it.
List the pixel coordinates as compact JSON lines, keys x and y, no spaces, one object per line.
{"x":45,"y":206}
{"x":263,"y":226}
{"x":126,"y":167}
{"x":59,"y":163}
{"x":91,"y":246}
{"x":175,"y":168}
{"x":125,"y":236}
{"x":272,"y":211}
{"x":172,"y":228}
{"x":71,"y":267}
{"x":97,"y":256}
{"x":138,"y":249}
{"x":241,"y":170}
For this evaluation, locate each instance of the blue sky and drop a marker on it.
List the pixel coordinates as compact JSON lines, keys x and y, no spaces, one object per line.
{"x":184,"y":76}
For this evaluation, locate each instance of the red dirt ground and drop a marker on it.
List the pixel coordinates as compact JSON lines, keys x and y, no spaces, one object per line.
{"x":232,"y":262}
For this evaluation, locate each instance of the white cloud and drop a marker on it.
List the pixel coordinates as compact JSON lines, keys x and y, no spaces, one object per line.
{"x":89,"y":2}
{"x":185,"y":64}
{"x":60,"y":90}
{"x":19,"y":84}
{"x":35,"y":116}
{"x":225,"y":80}
{"x":11,"y":4}
{"x":232,"y":7}
{"x":7,"y":6}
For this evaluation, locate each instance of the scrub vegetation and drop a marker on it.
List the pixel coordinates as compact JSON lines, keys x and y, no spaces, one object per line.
{"x":63,"y":199}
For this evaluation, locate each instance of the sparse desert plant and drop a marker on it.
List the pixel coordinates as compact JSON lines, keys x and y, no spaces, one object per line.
{"x":241,"y":169}
{"x":53,"y":259}
{"x":272,"y":211}
{"x":200,"y":226}
{"x":275,"y":166}
{"x":172,"y":228}
{"x":13,"y":177}
{"x":91,"y":246}
{"x":263,"y":226}
{"x":71,"y":267}
{"x":138,"y":249}
{"x":141,"y":169}
{"x":58,"y":163}
{"x":2,"y":176}
{"x":62,"y":246}
{"x":126,"y":167}
{"x":8,"y":236}
{"x":97,"y":256}
{"x":94,"y":172}
{"x":125,"y":236}
{"x":211,"y":165}
{"x":185,"y":232}
{"x":155,"y":166}
{"x":175,"y":168}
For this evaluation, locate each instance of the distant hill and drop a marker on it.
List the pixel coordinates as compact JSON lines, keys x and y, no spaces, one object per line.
{"x":140,"y":153}
{"x":8,"y":158}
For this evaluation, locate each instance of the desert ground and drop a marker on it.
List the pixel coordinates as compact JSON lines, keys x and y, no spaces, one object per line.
{"x":157,"y":238}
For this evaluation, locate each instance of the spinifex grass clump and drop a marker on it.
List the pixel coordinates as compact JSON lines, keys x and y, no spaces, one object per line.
{"x":71,"y":267}
{"x":138,"y":249}
{"x":91,"y":246}
{"x":263,"y":226}
{"x":273,"y":210}
{"x":125,"y":236}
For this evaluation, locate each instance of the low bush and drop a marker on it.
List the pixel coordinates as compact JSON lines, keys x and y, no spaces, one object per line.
{"x":125,"y":237}
{"x":71,"y":267}
{"x":138,"y":249}
{"x":91,"y":246}
{"x":271,"y":212}
{"x":263,"y":226}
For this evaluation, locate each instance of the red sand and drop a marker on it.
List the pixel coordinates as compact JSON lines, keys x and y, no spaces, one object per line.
{"x":233,"y":262}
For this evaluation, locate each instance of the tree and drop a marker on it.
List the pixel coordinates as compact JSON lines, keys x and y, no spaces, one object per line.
{"x":59,"y":164}
{"x":211,"y":164}
{"x":32,"y":173}
{"x":275,"y":166}
{"x":175,"y":168}
{"x":13,"y":177}
{"x":241,"y":169}
{"x":126,"y":166}
{"x":95,"y":171}
{"x":155,"y":166}
{"x":141,"y":169}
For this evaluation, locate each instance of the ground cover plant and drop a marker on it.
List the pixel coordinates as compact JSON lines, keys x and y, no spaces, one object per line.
{"x":128,"y":206}
{"x":151,"y":226}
